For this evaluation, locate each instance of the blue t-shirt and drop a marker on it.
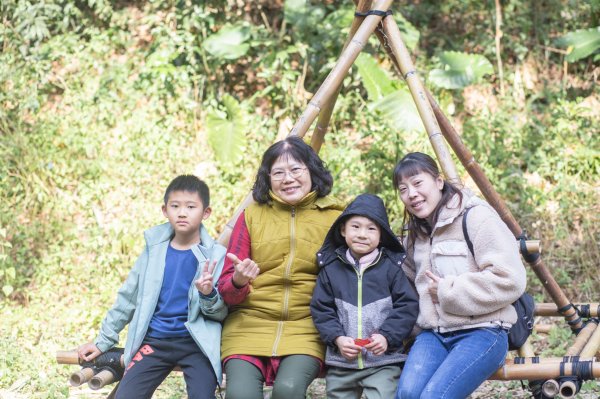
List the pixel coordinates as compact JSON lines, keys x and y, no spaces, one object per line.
{"x":172,"y":308}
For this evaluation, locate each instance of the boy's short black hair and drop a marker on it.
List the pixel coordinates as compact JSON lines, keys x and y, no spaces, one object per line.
{"x":189,"y":183}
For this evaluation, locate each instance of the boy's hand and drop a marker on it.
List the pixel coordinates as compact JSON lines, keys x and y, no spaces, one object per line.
{"x":378,"y":344}
{"x":347,"y":347}
{"x":205,"y":283}
{"x":433,"y":285}
{"x":245,"y":271}
{"x":88,"y":352}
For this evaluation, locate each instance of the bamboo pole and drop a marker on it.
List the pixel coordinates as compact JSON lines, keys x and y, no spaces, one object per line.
{"x":542,"y":360}
{"x":542,"y":371}
{"x":337,"y":74}
{"x":72,"y":357}
{"x":418,"y":92}
{"x":582,"y":339}
{"x":526,"y":350}
{"x":101,"y":379}
{"x":550,"y":309}
{"x":81,"y":377}
{"x":593,"y":344}
{"x":404,"y":65}
{"x":468,"y":161}
{"x":568,"y":389}
{"x":67,"y":357}
{"x":324,"y":95}
{"x":226,"y":233}
{"x":543,"y":328}
{"x":318,"y":135}
{"x":550,"y":388}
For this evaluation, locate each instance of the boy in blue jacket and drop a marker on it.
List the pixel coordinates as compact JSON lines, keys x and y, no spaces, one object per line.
{"x":169,"y":301}
{"x":363,"y":304}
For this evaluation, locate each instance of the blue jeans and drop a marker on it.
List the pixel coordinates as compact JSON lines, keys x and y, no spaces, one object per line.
{"x":451,"y":365}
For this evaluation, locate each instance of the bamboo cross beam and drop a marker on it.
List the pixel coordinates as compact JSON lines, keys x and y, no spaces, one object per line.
{"x":539,"y":360}
{"x":544,"y":371}
{"x":550,"y":309}
{"x":337,"y":74}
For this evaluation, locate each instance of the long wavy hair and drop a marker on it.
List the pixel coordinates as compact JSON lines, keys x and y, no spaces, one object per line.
{"x":410,"y":165}
{"x":293,"y":147}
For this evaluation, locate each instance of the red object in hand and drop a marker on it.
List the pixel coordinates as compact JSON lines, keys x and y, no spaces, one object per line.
{"x":361,"y":341}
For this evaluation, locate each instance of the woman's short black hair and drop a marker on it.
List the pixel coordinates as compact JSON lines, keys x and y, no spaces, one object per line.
{"x":191,"y":184}
{"x":295,"y":148}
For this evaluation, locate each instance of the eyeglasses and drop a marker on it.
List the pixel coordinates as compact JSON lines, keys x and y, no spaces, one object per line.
{"x":295,"y":173}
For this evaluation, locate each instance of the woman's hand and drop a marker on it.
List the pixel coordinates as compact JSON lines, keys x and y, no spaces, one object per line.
{"x":433,"y":286}
{"x":378,"y":344}
{"x":245,"y":270}
{"x":347,"y":347}
{"x":205,"y":283}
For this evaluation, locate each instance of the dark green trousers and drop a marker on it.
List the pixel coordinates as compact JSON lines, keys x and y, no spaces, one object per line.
{"x":295,"y":373}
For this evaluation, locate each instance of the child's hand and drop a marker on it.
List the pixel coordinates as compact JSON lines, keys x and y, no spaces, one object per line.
{"x":205,"y":283}
{"x":347,"y":347}
{"x":378,"y":344}
{"x":88,"y":352}
{"x":245,"y":271}
{"x":434,"y":281}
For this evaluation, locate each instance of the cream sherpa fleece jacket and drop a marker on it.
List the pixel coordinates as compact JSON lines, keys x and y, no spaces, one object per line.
{"x":473,"y":292}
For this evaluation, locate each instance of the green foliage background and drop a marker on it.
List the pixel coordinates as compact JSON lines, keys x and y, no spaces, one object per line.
{"x":102,"y":103}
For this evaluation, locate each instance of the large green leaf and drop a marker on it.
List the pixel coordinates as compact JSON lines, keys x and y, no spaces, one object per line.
{"x":397,"y":107}
{"x":399,"y":110}
{"x":375,"y":80}
{"x":226,"y":135}
{"x":229,"y":43}
{"x":580,"y":43}
{"x":460,"y":70}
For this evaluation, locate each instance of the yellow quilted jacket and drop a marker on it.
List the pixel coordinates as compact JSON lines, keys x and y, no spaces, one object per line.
{"x":274,"y":319}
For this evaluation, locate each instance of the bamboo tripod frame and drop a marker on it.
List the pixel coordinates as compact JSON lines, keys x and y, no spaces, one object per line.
{"x":552,"y":374}
{"x":438,"y":128}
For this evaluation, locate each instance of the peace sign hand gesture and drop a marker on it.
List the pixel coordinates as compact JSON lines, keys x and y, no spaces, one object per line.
{"x":205,"y":283}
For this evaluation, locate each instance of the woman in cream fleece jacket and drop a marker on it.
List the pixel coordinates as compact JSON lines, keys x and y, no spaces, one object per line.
{"x":464,"y":300}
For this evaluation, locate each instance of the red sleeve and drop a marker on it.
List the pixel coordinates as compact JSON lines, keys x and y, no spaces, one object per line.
{"x":239,"y":245}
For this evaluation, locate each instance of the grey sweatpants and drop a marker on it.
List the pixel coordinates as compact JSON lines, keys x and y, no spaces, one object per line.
{"x":374,"y":382}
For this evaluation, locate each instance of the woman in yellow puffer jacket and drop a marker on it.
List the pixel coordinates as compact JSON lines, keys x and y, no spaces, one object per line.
{"x":270,"y":273}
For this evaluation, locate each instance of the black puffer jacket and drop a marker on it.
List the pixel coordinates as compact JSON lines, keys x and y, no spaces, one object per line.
{"x":380,"y":300}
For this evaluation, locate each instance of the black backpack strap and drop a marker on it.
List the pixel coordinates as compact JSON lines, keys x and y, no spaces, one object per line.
{"x":466,"y":232}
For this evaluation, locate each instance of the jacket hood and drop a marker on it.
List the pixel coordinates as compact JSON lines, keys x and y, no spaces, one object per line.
{"x":372,"y":207}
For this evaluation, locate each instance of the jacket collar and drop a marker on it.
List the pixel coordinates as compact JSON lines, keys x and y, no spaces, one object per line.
{"x":455,"y":208}
{"x":309,"y":201}
{"x":164,"y":232}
